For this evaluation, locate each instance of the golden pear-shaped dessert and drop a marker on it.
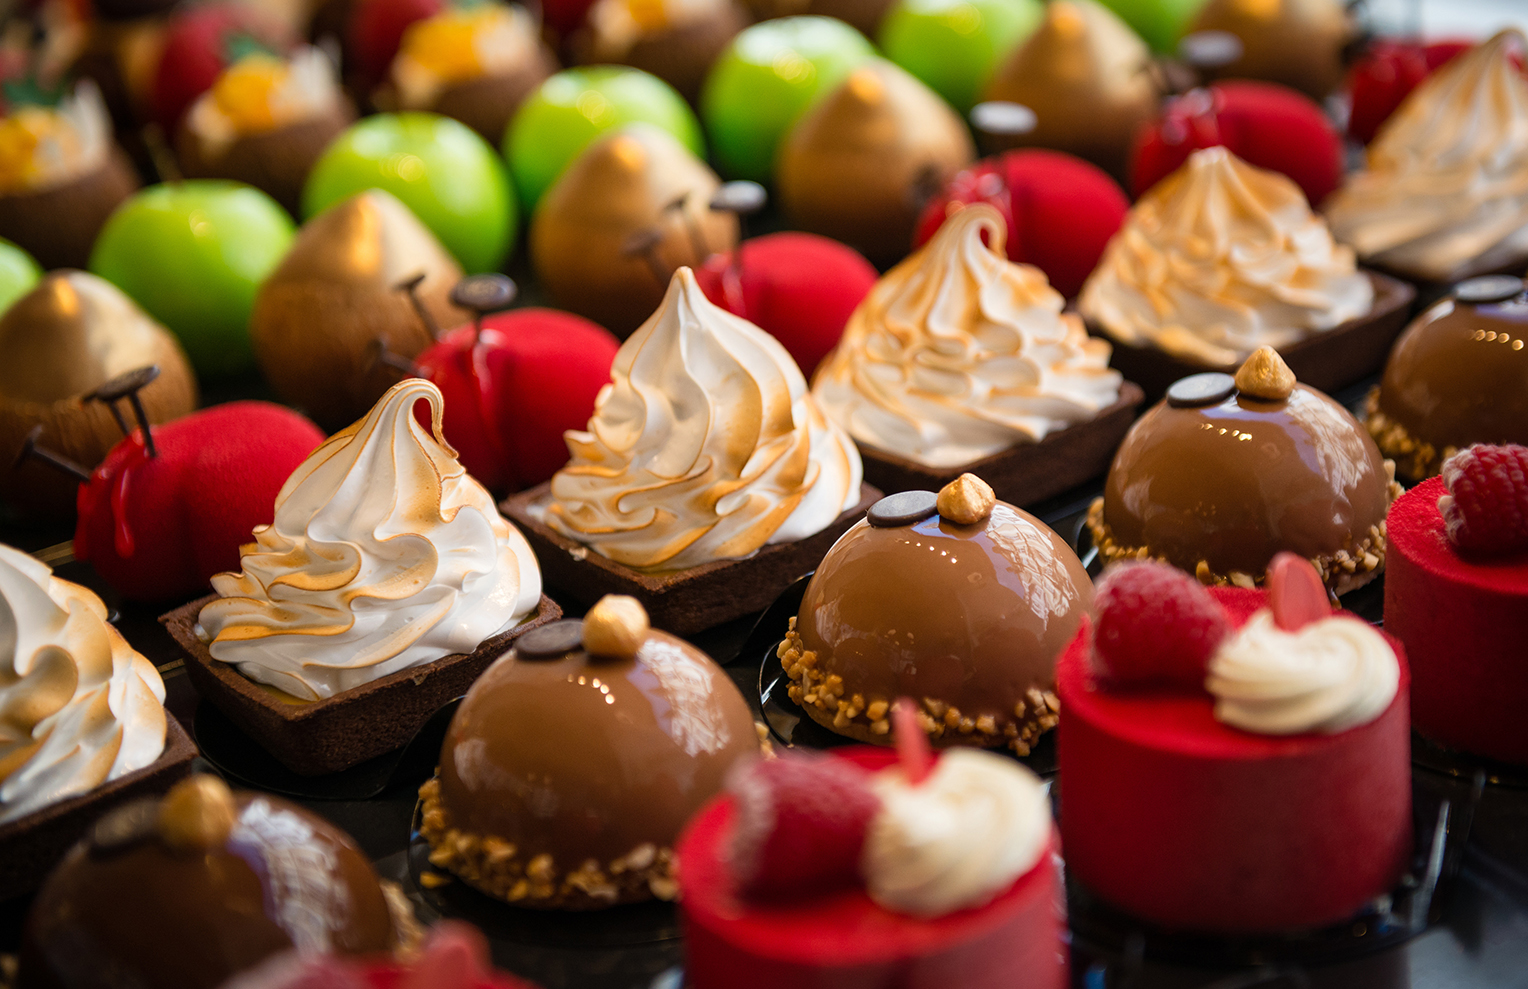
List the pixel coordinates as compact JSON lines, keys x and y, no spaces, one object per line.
{"x":629,"y":211}
{"x":61,"y":341}
{"x":1297,"y":43}
{"x":320,"y":316}
{"x":1088,"y":79}
{"x":860,"y":164}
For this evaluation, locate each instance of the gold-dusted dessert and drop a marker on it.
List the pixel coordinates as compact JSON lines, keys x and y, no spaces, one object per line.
{"x":61,"y":341}
{"x":320,"y":317}
{"x":1216,"y":480}
{"x":1296,"y":43}
{"x":858,"y":165}
{"x":1088,"y":79}
{"x":1457,"y":376}
{"x":638,"y":182}
{"x":573,"y":763}
{"x":957,"y":600}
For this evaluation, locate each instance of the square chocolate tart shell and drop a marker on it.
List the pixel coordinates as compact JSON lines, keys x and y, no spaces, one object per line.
{"x":1327,"y":361}
{"x":352,"y":726}
{"x":679,"y":601}
{"x":1026,"y":473}
{"x":31,"y":846}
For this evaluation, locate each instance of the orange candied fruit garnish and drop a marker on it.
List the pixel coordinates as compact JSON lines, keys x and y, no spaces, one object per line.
{"x":245,"y":91}
{"x":648,"y":14}
{"x":20,"y":133}
{"x":445,"y":44}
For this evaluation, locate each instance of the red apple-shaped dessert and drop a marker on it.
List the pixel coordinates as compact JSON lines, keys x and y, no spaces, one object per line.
{"x":201,"y":41}
{"x":514,"y":383}
{"x":374,"y":32}
{"x":171,"y":505}
{"x":1060,"y":210}
{"x":1264,"y":124}
{"x":1386,"y":74}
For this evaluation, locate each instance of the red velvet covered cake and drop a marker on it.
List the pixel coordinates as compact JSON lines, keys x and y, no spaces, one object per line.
{"x":1234,"y":760}
{"x":1456,"y":595}
{"x":845,"y":870}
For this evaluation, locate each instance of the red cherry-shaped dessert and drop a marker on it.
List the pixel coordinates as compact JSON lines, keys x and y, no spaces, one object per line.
{"x":168,"y":509}
{"x":513,"y":383}
{"x":564,"y":16}
{"x":1060,"y":210}
{"x":1156,"y":625}
{"x":374,"y":32}
{"x":1267,"y":125}
{"x":200,"y":42}
{"x":798,"y":287}
{"x":1385,"y":75}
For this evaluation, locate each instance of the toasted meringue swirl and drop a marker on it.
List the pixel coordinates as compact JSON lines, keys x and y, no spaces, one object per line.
{"x":1221,"y":258}
{"x":957,"y":839}
{"x":1334,"y":674}
{"x":706,"y":445}
{"x":1445,"y":193}
{"x":958,"y":353}
{"x":384,"y":554}
{"x":78,"y":707}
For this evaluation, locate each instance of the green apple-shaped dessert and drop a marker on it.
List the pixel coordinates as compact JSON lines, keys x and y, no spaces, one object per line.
{"x":438,"y":167}
{"x":193,"y":254}
{"x":574,"y":107}
{"x":18,"y":273}
{"x":954,"y":46}
{"x":766,"y":79}
{"x":1160,"y":22}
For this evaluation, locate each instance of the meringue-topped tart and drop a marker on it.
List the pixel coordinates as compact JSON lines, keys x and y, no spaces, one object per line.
{"x":705,"y":449}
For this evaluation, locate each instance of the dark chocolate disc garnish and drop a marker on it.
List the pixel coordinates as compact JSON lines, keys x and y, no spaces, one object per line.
{"x":741,"y":197}
{"x":125,"y":384}
{"x":903,"y":508}
{"x":551,"y":641}
{"x":1488,"y":288}
{"x":486,"y":293}
{"x":125,"y":826}
{"x":1200,"y":389}
{"x":1001,"y":118}
{"x":1210,"y":49}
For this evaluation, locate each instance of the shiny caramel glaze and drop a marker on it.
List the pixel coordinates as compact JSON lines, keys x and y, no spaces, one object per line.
{"x":1458,"y":375}
{"x":970,"y":617}
{"x":1234,"y":482}
{"x":139,"y":914}
{"x":581,"y":757}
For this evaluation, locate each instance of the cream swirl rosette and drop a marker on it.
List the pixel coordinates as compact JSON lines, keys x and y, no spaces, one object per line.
{"x":705,"y":446}
{"x":262,"y":93}
{"x":78,"y":707}
{"x":957,"y":839}
{"x":957,"y":353}
{"x":1221,"y":258}
{"x":384,"y":554}
{"x":1445,"y":192}
{"x":44,"y":147}
{"x":459,"y":44}
{"x":1331,"y":675}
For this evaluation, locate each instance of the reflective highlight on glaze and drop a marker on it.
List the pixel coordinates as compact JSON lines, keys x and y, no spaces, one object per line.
{"x":973,"y":616}
{"x":1459,"y":374}
{"x":1236,"y":482}
{"x":286,"y":878}
{"x":581,"y":757}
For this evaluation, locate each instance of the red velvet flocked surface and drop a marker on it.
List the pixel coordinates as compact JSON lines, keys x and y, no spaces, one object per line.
{"x":159,"y":528}
{"x":1464,"y":622}
{"x":1195,"y":825}
{"x":845,"y":939}
{"x":798,"y":287}
{"x":533,"y":375}
{"x":1060,"y":210}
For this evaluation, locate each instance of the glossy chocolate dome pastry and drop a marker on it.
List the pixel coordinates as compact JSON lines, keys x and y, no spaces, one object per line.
{"x":574,"y":761}
{"x":633,"y":207}
{"x":858,"y":166}
{"x":192,"y":889}
{"x":1458,"y":375}
{"x":958,"y":601}
{"x":68,"y":336}
{"x":1226,"y":472}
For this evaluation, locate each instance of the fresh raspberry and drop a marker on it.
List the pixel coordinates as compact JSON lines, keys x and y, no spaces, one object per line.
{"x":1156,"y":624}
{"x":1486,"y":508}
{"x":801,"y":824}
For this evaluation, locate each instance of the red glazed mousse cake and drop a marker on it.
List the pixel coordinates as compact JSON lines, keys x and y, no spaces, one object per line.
{"x":825,"y":871}
{"x":1463,"y":613}
{"x":1235,"y":761}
